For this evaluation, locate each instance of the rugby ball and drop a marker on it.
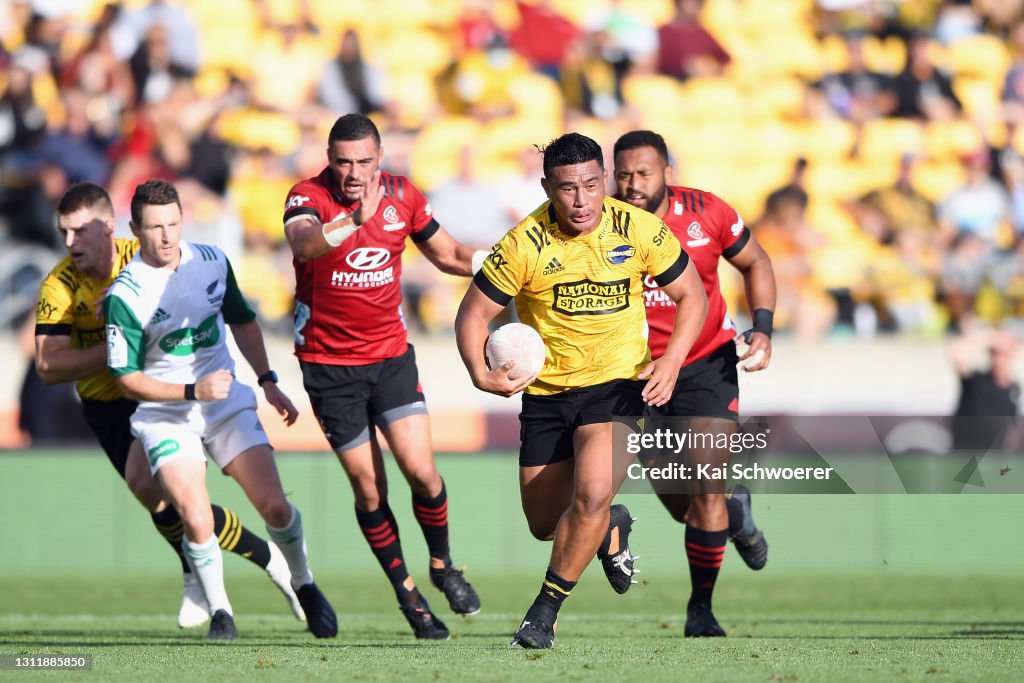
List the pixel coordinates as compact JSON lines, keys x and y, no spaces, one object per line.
{"x":518,"y":342}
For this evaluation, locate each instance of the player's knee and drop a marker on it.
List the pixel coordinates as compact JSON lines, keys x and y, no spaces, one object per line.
{"x":276,"y":511}
{"x":146,"y":491}
{"x":591,"y":500}
{"x":677,"y":506}
{"x":366,"y":491}
{"x":542,"y":528}
{"x":707,"y":502}
{"x":706,"y":509}
{"x":424,"y":480}
{"x":196,"y":523}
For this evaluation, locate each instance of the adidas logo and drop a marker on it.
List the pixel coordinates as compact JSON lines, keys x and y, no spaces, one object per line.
{"x":160,"y":316}
{"x":553,"y":267}
{"x":82,"y":308}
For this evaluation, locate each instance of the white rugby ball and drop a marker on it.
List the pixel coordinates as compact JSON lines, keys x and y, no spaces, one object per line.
{"x":518,"y":342}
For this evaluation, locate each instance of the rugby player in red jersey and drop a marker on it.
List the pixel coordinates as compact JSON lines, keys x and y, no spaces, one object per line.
{"x":347,"y":228}
{"x":707,"y":390}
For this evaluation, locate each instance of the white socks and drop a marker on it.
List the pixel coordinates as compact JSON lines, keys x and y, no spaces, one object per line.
{"x":208,"y":566}
{"x":293,"y":546}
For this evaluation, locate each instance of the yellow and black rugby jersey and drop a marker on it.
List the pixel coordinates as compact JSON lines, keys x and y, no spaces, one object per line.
{"x":70,"y":305}
{"x":584,"y":294}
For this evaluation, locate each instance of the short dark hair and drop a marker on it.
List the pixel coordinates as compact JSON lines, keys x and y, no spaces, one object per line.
{"x":571,"y":149}
{"x":641,"y":138}
{"x":153,"y":192}
{"x":84,"y":196}
{"x":353,"y":127}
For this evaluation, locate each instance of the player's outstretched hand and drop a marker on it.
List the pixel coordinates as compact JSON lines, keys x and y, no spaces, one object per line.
{"x":214,"y":387}
{"x":498,"y":382}
{"x":373,"y":192}
{"x":282,"y":404}
{"x":759,"y":351}
{"x":662,"y":373}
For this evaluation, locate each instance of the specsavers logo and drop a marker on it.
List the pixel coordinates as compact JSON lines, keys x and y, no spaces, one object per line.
{"x":585,"y":297}
{"x":185,"y":341}
{"x":163,"y":449}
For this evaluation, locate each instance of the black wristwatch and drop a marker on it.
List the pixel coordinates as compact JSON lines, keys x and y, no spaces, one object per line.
{"x":269,"y":376}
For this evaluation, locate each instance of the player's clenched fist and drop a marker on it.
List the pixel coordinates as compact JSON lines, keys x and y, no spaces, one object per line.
{"x":214,"y":387}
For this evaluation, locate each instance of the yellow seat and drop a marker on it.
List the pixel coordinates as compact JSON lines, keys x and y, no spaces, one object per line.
{"x":333,"y":17}
{"x":982,"y":55}
{"x":536,"y":97}
{"x":935,"y":180}
{"x":835,"y":180}
{"x":416,"y":96}
{"x":979,"y":96}
{"x":411,"y":51}
{"x":949,"y":140}
{"x":255,"y":129}
{"x":776,"y":98}
{"x":711,"y":98}
{"x":825,"y":139}
{"x":434,"y":156}
{"x":646,"y":90}
{"x":888,"y":139}
{"x":792,"y":53}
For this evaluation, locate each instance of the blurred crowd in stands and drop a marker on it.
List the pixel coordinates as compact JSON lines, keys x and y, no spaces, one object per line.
{"x":875,"y":146}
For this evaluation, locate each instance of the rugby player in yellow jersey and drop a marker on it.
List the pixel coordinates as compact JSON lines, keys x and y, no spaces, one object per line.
{"x":71,"y":346}
{"x":575,"y":267}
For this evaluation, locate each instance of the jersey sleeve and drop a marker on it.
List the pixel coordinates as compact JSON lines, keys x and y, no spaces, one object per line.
{"x":423,"y":225}
{"x":234,"y":307}
{"x":733,"y":234}
{"x":505,"y":270}
{"x":54,"y":310}
{"x":126,"y":339}
{"x":306,"y":200}
{"x":665,"y":258}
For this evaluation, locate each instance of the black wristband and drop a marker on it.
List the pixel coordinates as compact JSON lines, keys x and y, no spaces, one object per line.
{"x":763,"y":321}
{"x":190,"y":392}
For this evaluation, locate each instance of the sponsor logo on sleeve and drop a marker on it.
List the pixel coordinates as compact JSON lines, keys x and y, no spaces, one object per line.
{"x":737,"y":227}
{"x":45,"y":309}
{"x":295,"y":201}
{"x":496,"y":258}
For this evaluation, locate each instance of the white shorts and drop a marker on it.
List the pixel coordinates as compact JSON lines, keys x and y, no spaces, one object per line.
{"x":188,"y":431}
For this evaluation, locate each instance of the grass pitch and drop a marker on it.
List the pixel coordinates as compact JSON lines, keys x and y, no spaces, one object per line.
{"x":811,"y":628}
{"x":857,"y":588}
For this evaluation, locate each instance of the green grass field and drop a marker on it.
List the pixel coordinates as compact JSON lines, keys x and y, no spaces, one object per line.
{"x":857,"y":588}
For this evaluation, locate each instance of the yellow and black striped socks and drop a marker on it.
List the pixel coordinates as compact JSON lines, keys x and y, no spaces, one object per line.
{"x":235,"y":538}
{"x":231,"y":535}
{"x":553,"y":593}
{"x":168,"y":523}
